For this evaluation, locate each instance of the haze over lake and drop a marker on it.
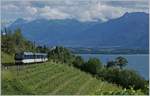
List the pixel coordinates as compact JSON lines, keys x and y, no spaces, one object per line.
{"x":138,"y":62}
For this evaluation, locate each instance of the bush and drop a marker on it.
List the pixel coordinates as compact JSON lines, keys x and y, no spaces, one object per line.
{"x":78,"y":62}
{"x":93,"y":65}
{"x":121,"y":62}
{"x":14,"y":42}
{"x":111,"y":64}
{"x":125,"y":78}
{"x":125,"y":91}
{"x":61,"y":54}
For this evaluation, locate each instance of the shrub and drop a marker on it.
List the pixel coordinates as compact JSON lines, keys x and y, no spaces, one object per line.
{"x":93,"y":65}
{"x":78,"y":62}
{"x":125,"y":78}
{"x":61,"y":54}
{"x":125,"y":91}
{"x":110,"y":64}
{"x":121,"y":61}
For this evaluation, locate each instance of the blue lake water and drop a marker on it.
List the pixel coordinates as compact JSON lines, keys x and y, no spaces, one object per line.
{"x":138,"y":62}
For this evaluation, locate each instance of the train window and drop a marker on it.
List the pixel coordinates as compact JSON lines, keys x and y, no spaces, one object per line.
{"x":31,"y":56}
{"x":28,"y":57}
{"x":25,"y":56}
{"x":37,"y":56}
{"x":34,"y":56}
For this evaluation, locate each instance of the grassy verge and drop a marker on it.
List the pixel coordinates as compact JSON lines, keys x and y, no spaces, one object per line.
{"x":6,"y":58}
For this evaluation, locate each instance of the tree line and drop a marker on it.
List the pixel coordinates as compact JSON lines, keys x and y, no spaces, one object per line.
{"x":14,"y":42}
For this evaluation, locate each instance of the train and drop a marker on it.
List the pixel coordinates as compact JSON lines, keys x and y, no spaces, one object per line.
{"x":30,"y":57}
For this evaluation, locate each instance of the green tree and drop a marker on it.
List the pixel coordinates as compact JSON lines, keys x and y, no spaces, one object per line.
{"x":121,"y":61}
{"x":13,"y":42}
{"x":111,"y":64}
{"x":18,"y":36}
{"x":7,"y":43}
{"x":61,"y":54}
{"x":78,"y":62}
{"x":93,"y":65}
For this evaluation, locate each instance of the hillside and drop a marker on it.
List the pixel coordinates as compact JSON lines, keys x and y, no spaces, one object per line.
{"x":127,"y":31}
{"x":51,"y":78}
{"x":6,"y":58}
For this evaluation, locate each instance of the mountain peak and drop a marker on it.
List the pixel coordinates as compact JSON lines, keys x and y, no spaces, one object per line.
{"x":135,"y":14}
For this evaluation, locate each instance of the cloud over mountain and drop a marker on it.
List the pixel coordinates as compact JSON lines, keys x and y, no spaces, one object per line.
{"x":82,"y":10}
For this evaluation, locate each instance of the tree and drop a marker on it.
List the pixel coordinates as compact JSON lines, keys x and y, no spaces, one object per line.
{"x":13,"y":42}
{"x":42,"y":49}
{"x":78,"y":62}
{"x":61,"y":54}
{"x":7,"y":42}
{"x":92,"y":65}
{"x":121,"y":61}
{"x":111,"y":64}
{"x":18,"y":36}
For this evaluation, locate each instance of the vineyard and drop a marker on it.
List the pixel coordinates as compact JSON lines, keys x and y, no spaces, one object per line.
{"x":51,"y":78}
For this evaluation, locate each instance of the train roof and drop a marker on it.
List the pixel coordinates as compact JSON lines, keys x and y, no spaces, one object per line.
{"x":32,"y":53}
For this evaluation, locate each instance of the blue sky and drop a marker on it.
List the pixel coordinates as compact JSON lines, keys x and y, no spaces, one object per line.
{"x":82,"y":10}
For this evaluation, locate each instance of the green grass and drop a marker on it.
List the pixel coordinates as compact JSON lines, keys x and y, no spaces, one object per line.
{"x":51,"y":78}
{"x":6,"y":58}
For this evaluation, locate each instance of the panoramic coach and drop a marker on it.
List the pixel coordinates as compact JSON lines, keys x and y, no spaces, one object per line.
{"x":30,"y":57}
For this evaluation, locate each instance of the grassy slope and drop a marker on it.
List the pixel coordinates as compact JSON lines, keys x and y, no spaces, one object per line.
{"x":6,"y":58}
{"x":51,"y":78}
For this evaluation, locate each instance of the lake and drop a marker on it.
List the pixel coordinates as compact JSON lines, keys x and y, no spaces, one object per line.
{"x":138,"y":62}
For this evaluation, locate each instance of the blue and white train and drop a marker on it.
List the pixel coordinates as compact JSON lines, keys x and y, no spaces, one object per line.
{"x":30,"y":57}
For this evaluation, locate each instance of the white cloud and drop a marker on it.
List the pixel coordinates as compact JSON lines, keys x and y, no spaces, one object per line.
{"x":51,"y":13}
{"x":10,"y":7}
{"x":83,"y":10}
{"x":31,"y":10}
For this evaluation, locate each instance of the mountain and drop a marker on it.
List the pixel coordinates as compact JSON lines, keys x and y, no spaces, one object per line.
{"x":19,"y":21}
{"x":54,"y":32}
{"x":128,"y":31}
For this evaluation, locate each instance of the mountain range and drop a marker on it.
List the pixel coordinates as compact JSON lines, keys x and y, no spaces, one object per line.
{"x":128,"y":31}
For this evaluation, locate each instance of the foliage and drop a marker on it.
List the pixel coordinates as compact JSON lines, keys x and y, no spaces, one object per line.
{"x":125,"y":78}
{"x":78,"y":62}
{"x":61,"y":54}
{"x":13,"y":42}
{"x":42,"y":49}
{"x":125,"y":91}
{"x":146,"y":88}
{"x":111,"y":64}
{"x":121,"y":61}
{"x":92,"y":65}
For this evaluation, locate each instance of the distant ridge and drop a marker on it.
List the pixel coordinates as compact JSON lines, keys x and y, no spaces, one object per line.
{"x":127,"y":31}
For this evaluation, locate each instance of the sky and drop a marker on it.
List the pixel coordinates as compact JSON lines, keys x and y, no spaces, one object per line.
{"x":82,"y":10}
